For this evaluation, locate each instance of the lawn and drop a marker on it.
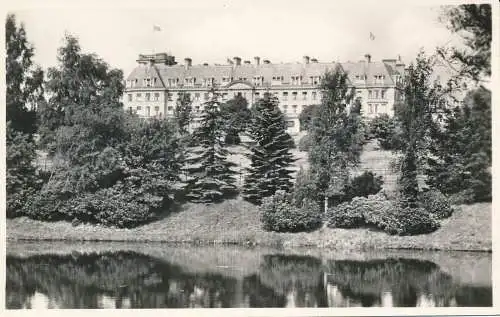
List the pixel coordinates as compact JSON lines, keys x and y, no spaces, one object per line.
{"x":237,"y":222}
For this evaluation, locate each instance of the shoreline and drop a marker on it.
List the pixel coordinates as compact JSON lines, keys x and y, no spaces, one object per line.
{"x":249,"y":244}
{"x":237,"y":223}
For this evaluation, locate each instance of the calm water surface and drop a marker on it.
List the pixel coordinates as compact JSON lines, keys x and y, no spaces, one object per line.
{"x":146,"y":276}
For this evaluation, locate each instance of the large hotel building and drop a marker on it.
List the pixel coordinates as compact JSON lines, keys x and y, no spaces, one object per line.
{"x":153,"y":87}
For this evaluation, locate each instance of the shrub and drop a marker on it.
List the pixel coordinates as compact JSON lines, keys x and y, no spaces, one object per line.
{"x":376,"y":210}
{"x":305,"y":187}
{"x":436,"y":203}
{"x":305,"y":143}
{"x":346,"y":215}
{"x":385,"y":130}
{"x":408,"y":221}
{"x":363,"y":185}
{"x":279,"y":213}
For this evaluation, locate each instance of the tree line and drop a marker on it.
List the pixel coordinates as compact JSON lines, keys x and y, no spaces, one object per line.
{"x":113,"y":168}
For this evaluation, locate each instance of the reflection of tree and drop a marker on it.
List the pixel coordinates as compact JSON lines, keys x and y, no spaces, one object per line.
{"x":298,"y":277}
{"x":83,"y":281}
{"x":260,"y":295}
{"x":406,"y":280}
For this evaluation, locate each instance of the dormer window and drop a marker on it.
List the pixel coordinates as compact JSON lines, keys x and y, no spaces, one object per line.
{"x":225,"y":79}
{"x":258,"y":80}
{"x":190,"y":81}
{"x":314,"y":80}
{"x":172,"y":82}
{"x":296,"y":80}
{"x":147,"y":82}
{"x":208,"y":82}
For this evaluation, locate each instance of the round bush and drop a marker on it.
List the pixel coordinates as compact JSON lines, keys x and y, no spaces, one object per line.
{"x":409,"y":221}
{"x":346,"y":215}
{"x":279,"y":214}
{"x":436,"y":203}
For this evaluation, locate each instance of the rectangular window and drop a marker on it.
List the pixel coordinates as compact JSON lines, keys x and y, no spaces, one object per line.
{"x":376,"y":94}
{"x":294,"y":107}
{"x":285,"y":95}
{"x":170,"y":108}
{"x":257,"y":95}
{"x":197,"y":96}
{"x":138,"y":96}
{"x":148,"y":111}
{"x":129,"y":97}
{"x":313,"y":95}
{"x":375,"y":108}
{"x":156,"y":96}
{"x":157,"y":108}
{"x":369,"y":94}
{"x":382,"y":94}
{"x":206,"y":96}
{"x":304,"y":95}
{"x":154,"y":81}
{"x":294,"y":95}
{"x":139,"y":108}
{"x":148,"y":96}
{"x":285,"y":108}
{"x":370,"y":108}
{"x":170,"y":96}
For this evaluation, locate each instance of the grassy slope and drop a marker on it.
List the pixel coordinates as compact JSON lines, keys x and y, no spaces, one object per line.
{"x":237,"y":221}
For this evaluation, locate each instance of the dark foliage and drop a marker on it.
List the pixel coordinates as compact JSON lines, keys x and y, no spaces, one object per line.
{"x":434,"y":202}
{"x":387,"y":132}
{"x":363,"y":185}
{"x":461,"y":154}
{"x":237,"y":115}
{"x":270,"y":154}
{"x":210,"y":176}
{"x":279,"y":213}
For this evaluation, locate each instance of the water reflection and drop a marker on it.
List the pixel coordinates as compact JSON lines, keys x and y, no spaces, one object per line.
{"x":134,"y":280}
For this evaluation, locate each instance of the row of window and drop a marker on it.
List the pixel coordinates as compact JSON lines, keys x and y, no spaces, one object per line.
{"x":210,"y":81}
{"x":206,"y":96}
{"x":377,"y":94}
{"x":375,"y":108}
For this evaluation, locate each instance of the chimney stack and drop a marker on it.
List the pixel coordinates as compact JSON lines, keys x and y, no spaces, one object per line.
{"x":368,"y":58}
{"x":205,"y":64}
{"x":305,"y":59}
{"x":314,"y":60}
{"x":257,"y":60}
{"x":266,"y":61}
{"x":237,"y":60}
{"x":187,"y":62}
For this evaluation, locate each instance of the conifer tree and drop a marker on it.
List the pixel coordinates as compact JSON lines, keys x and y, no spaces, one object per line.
{"x":270,"y":154}
{"x":210,"y":176}
{"x":422,"y":98}
{"x":461,"y":151}
{"x":336,"y":138}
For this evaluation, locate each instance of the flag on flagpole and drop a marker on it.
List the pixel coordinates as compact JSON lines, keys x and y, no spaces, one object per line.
{"x":372,"y":37}
{"x":156,"y":28}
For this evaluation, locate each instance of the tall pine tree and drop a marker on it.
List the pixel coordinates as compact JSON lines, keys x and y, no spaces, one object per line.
{"x":210,"y":176}
{"x":270,"y":154}
{"x":422,"y":98}
{"x":336,"y":136}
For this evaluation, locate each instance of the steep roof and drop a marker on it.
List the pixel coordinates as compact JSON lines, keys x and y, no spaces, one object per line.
{"x":142,"y":72}
{"x":370,"y":70}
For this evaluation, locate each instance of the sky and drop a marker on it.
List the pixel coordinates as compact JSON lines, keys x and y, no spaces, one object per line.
{"x":212,"y":31}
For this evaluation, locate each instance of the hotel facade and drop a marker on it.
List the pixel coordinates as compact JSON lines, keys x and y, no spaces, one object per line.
{"x":154,"y":86}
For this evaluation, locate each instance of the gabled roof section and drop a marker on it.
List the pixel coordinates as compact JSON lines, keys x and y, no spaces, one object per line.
{"x":370,"y":70}
{"x":142,"y":72}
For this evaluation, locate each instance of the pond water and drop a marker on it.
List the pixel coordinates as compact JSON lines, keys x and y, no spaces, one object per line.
{"x":99,"y":275}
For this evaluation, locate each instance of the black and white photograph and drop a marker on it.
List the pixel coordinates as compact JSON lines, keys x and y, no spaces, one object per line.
{"x":297,"y":156}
